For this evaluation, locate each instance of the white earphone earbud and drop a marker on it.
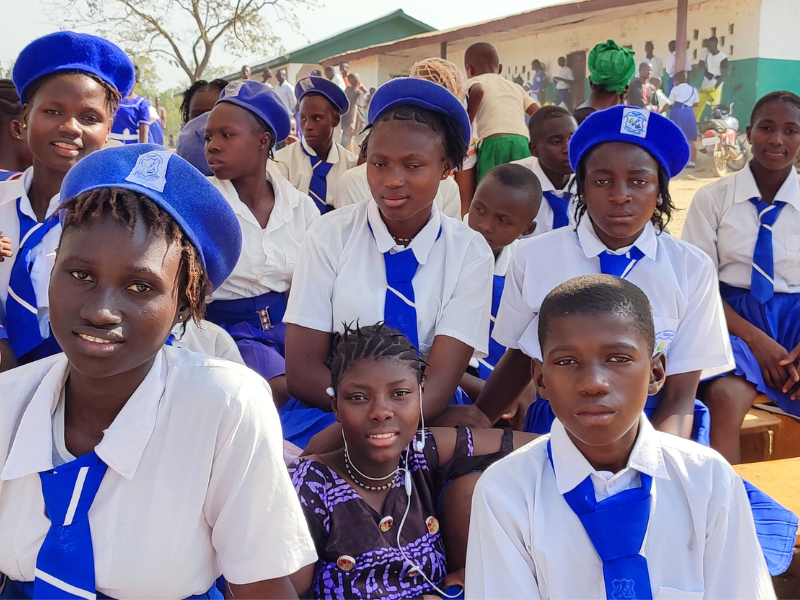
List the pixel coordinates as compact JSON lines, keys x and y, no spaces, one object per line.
{"x":419,"y":443}
{"x":330,"y":391}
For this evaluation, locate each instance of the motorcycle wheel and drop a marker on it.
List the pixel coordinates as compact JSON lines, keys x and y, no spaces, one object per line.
{"x":738,"y":163}
{"x":719,"y":166}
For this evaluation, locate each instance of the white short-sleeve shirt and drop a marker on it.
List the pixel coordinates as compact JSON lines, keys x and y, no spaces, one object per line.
{"x":42,"y":264}
{"x":502,"y":110}
{"x":353,"y":187}
{"x":295,"y":165}
{"x":526,"y":542}
{"x":196,"y":484}
{"x":724,"y":224}
{"x":341,"y":277}
{"x":269,"y":256}
{"x":685,"y":94}
{"x":679,"y":281}
{"x":713,"y":64}
{"x":206,"y":338}
{"x":544,"y":218}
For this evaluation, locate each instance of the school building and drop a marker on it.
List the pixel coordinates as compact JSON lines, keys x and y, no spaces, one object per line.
{"x":300,"y":62}
{"x":759,"y":36}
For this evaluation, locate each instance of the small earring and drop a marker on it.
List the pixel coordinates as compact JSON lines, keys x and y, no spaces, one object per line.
{"x":24,"y":125}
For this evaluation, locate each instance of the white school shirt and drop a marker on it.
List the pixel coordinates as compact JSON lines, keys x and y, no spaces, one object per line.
{"x":671,"y":65}
{"x":353,"y":187}
{"x":341,"y":277}
{"x":41,"y":263}
{"x":269,"y":256}
{"x":713,"y":64}
{"x":295,"y":165}
{"x":544,"y":218}
{"x":206,"y":338}
{"x":685,"y":94}
{"x":285,"y":92}
{"x":196,"y":484}
{"x":678,"y":279}
{"x":723,"y":223}
{"x":526,"y":542}
{"x":655,"y":63}
{"x":565,"y":73}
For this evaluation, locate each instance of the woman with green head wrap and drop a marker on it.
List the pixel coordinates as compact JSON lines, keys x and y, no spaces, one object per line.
{"x":611,"y":68}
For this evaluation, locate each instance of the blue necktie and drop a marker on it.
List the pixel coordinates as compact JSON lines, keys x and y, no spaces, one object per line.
{"x":21,"y":309}
{"x":560,"y":205}
{"x":318,"y":187}
{"x":65,"y":564}
{"x":496,"y":350}
{"x":399,"y":309}
{"x":616,"y":527}
{"x":762,"y":279}
{"x":619,"y":265}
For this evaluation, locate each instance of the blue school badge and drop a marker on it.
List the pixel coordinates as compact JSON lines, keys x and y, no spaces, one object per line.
{"x":151,"y":170}
{"x":634,"y":122}
{"x":623,"y":589}
{"x":663,"y":340}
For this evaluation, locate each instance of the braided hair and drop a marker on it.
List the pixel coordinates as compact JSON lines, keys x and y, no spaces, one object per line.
{"x":372,"y":342}
{"x":127,"y":207}
{"x":216,"y":84}
{"x":10,"y":106}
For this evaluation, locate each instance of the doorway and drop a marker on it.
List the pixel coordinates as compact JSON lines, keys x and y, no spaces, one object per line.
{"x":576,"y":61}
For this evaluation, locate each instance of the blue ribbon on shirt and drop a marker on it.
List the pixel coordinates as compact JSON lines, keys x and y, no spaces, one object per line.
{"x":559,"y":204}
{"x":616,"y":527}
{"x":496,"y":349}
{"x":619,"y":265}
{"x":318,"y":187}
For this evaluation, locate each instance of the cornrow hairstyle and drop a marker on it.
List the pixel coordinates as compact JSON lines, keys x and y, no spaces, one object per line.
{"x":113,"y":97}
{"x":372,"y":342}
{"x":780,"y":95}
{"x":598,"y":295}
{"x":217,"y":84}
{"x":127,"y":207}
{"x":10,"y":105}
{"x":662,"y":213}
{"x":445,"y":127}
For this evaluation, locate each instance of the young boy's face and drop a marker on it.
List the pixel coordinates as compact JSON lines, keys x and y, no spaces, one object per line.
{"x":317,"y":120}
{"x":552,"y":144}
{"x":501,"y":214}
{"x":597,"y":372}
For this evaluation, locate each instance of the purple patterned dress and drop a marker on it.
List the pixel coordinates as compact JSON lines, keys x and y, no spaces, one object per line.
{"x":345,"y":527}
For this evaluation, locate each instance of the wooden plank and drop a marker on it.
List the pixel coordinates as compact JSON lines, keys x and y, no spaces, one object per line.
{"x":778,"y":478}
{"x":759,"y":421}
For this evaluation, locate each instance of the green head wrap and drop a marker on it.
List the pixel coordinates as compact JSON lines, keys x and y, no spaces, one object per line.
{"x":611,"y":66}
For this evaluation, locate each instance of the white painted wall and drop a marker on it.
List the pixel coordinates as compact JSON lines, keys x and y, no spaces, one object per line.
{"x":779,"y":24}
{"x":367,"y":69}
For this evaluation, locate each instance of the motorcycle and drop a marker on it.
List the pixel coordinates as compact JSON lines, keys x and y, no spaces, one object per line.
{"x":720,"y":139}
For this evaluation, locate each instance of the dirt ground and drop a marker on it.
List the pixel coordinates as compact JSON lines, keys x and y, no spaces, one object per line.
{"x":683,"y":187}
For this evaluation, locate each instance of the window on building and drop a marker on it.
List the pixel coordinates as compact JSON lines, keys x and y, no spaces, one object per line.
{"x":730,"y":50}
{"x":694,"y":54}
{"x":695,"y":34}
{"x":713,"y":32}
{"x":730,"y":29}
{"x":722,"y":41}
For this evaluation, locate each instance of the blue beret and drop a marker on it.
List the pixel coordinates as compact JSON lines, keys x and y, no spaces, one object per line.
{"x":260,"y":100}
{"x":404,"y":91}
{"x":631,"y":125}
{"x":176,"y":186}
{"x":328,"y":89}
{"x":70,"y":51}
{"x":192,"y":144}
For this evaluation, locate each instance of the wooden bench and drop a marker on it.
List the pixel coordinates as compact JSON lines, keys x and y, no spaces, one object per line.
{"x":756,"y":436}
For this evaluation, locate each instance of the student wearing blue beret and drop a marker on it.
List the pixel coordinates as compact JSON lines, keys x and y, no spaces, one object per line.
{"x":246,"y":122}
{"x":131,"y":469}
{"x":70,"y":85}
{"x":315,"y":165}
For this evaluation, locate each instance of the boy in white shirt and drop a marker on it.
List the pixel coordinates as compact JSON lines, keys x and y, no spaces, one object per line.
{"x":715,"y":64}
{"x":563,"y":82}
{"x":605,"y":506}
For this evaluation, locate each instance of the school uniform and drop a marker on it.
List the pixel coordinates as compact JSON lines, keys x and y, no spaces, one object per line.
{"x":294,"y":163}
{"x":341,"y":279}
{"x":724,"y":221}
{"x":698,"y":536}
{"x":251,"y":302}
{"x":206,"y":338}
{"x":679,"y":281}
{"x":558,"y":207}
{"x":24,"y":278}
{"x":131,"y":113}
{"x":682,"y":99}
{"x":353,"y":187}
{"x":184,"y":496}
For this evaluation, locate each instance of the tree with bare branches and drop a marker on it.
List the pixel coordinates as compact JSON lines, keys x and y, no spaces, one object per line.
{"x":185,"y":32}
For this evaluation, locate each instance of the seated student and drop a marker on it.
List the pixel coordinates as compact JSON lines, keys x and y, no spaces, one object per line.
{"x":748,"y":224}
{"x":15,"y":154}
{"x":173,"y":459}
{"x":70,"y":85}
{"x":623,"y":159}
{"x":606,"y":506}
{"x":315,"y":164}
{"x":550,"y":129}
{"x":394,"y":258}
{"x":497,"y":107}
{"x":372,"y":505}
{"x":247,"y":121}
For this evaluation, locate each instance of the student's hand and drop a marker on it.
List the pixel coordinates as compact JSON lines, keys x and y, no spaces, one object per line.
{"x":7,"y":359}
{"x":466,"y":416}
{"x":791,"y":363}
{"x":770,"y":355}
{"x":5,"y":247}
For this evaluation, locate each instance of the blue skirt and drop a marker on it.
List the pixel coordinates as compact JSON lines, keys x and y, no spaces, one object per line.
{"x":779,"y":318}
{"x":23,"y":590}
{"x":683,"y":117}
{"x":255,"y":324}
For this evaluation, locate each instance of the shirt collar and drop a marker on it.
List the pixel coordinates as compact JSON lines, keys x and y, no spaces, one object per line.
{"x":22,"y":186}
{"x":503,"y":259}
{"x":333,"y":155}
{"x":592,"y":246}
{"x":123,"y":442}
{"x":547,"y":185}
{"x":571,"y":466}
{"x":286,"y":199}
{"x":421,"y":245}
{"x":745,"y":187}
